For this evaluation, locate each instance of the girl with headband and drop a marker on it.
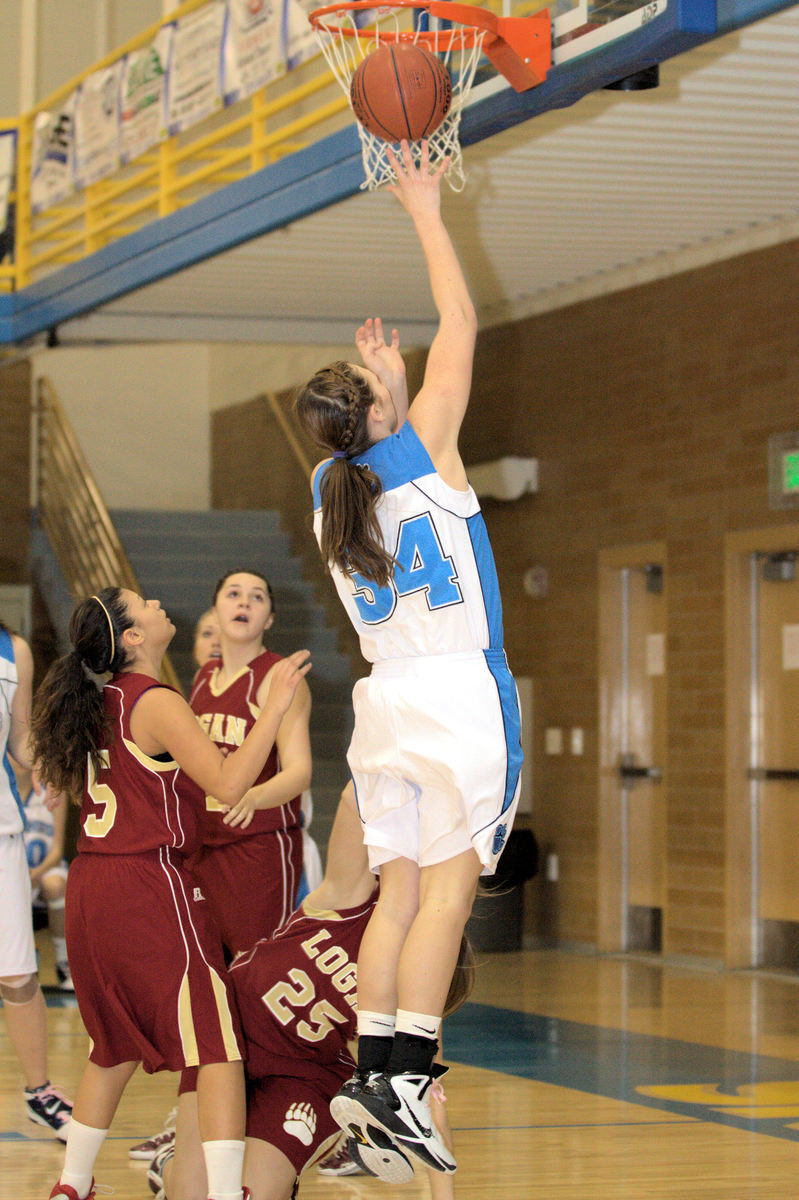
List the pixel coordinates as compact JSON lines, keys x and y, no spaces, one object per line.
{"x":130,"y":752}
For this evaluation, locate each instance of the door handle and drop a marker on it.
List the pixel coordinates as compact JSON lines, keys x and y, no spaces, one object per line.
{"x":629,"y":771}
{"x":773,"y":773}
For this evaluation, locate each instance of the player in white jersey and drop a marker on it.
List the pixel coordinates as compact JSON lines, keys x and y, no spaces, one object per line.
{"x":45,"y":833}
{"x":435,"y":754}
{"x":23,"y":1003}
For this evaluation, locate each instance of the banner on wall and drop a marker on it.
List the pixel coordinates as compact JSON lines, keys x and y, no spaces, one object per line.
{"x":194,"y":87}
{"x":299,"y":39}
{"x":142,"y":109}
{"x":251,"y":55}
{"x":53,"y":156}
{"x":97,"y":125}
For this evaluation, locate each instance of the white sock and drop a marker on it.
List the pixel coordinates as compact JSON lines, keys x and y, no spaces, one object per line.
{"x":83,"y":1146}
{"x":375,"y":1024}
{"x":223,"y":1166}
{"x":419,"y":1024}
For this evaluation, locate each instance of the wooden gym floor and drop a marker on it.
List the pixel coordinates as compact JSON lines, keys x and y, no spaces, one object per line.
{"x":574,"y":1077}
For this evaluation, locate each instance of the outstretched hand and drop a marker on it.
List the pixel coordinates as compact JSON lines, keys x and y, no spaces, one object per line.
{"x":284,"y":679}
{"x":418,"y":189}
{"x":385,"y":361}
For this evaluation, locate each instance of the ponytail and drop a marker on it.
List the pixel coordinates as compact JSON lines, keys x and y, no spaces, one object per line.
{"x":69,"y":723}
{"x":332,"y":409}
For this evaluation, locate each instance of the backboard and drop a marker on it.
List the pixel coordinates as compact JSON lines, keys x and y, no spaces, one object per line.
{"x":595,"y":44}
{"x":583,"y":26}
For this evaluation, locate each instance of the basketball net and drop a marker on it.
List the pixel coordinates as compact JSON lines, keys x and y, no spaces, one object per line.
{"x":345,"y":45}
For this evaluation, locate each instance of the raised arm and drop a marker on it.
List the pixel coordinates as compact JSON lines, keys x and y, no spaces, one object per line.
{"x":348,"y":880}
{"x":163,"y":721}
{"x":438,"y":410}
{"x":294,"y":754}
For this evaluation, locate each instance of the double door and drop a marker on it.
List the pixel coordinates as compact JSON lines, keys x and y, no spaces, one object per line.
{"x":633,"y":680}
{"x":763,"y":750}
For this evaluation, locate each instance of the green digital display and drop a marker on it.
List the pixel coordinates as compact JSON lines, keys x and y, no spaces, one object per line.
{"x":790,"y":471}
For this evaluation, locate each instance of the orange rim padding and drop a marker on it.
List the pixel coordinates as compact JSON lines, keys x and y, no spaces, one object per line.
{"x":519,"y":47}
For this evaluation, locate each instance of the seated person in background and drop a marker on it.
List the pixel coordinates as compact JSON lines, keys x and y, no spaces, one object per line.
{"x":44,"y":846}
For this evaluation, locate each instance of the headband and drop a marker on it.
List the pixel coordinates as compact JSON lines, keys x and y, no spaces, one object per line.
{"x":110,"y":627}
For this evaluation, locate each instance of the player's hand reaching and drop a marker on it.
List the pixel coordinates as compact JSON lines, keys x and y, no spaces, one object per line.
{"x":385,"y":361}
{"x":284,"y":679}
{"x":418,"y":189}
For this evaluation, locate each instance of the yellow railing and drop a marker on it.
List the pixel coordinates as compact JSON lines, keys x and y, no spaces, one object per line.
{"x":73,"y":513}
{"x":280,"y":119}
{"x":291,"y":112}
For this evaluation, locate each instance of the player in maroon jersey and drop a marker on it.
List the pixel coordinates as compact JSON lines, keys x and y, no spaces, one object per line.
{"x":260,"y":837}
{"x":297,"y":993}
{"x":103,"y":726}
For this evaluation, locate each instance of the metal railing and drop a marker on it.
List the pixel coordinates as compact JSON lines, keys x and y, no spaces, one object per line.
{"x":293,"y":111}
{"x":73,"y":513}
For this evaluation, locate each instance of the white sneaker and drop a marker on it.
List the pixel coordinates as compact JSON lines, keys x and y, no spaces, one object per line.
{"x":400,"y":1106}
{"x":155,"y":1171}
{"x":146,"y":1150}
{"x":340,"y":1161}
{"x":373,"y":1151}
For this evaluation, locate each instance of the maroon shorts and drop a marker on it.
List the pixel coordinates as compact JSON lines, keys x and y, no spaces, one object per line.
{"x":147,"y":964}
{"x":293,"y":1115}
{"x":251,"y":884}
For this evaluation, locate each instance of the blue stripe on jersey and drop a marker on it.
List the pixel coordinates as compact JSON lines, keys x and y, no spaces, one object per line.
{"x":511,"y":719}
{"x":398,"y":459}
{"x":489,"y":583}
{"x":7,"y":652}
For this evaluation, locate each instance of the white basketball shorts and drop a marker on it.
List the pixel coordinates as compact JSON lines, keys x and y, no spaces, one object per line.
{"x":436,"y":757}
{"x":17,"y":949}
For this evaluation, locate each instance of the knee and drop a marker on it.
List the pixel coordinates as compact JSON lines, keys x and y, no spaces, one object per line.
{"x":53,"y":889}
{"x":451,"y":904}
{"x":19,"y":989}
{"x":399,"y":908}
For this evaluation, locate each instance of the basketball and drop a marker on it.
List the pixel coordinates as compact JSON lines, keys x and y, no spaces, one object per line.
{"x":401,"y":90}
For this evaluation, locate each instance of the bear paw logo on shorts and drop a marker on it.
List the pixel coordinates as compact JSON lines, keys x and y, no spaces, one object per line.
{"x":500,"y":834}
{"x":300,"y":1122}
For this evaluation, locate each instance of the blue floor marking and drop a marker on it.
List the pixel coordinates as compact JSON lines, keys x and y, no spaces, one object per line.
{"x":616,"y":1063}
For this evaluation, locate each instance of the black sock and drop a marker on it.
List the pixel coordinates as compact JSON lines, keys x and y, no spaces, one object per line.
{"x":373,"y":1052}
{"x":411,"y":1053}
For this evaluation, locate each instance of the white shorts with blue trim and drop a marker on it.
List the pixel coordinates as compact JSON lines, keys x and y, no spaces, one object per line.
{"x":17,"y":948}
{"x":436,"y":757}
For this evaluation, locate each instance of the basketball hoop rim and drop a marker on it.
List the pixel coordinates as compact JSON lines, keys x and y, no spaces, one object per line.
{"x":482,"y":20}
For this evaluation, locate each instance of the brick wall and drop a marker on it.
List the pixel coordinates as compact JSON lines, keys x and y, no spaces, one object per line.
{"x":649,"y":412}
{"x":15,"y":410}
{"x":15,"y":394}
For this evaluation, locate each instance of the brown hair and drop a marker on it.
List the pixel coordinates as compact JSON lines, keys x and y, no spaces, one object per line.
{"x":69,"y":723}
{"x":220,"y":583}
{"x":332,"y":408}
{"x":460,"y":989}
